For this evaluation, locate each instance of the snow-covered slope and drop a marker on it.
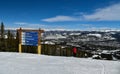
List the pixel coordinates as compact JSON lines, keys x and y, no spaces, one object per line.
{"x":15,"y":63}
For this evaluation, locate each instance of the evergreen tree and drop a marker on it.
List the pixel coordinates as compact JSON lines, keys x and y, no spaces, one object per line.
{"x":8,"y":39}
{"x":2,"y":31}
{"x":8,"y":34}
{"x":17,"y":40}
{"x":2,"y":41}
{"x":11,"y":45}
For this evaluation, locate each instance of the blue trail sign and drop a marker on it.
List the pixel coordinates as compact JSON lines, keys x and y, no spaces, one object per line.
{"x":30,"y":38}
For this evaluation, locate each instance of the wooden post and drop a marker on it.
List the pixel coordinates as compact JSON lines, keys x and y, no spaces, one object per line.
{"x":39,"y":49}
{"x":20,"y":48}
{"x":39,"y":42}
{"x":20,"y":45}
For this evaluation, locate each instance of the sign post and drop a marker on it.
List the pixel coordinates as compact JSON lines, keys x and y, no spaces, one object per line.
{"x":39,"y":42}
{"x":20,"y":46}
{"x":30,"y":37}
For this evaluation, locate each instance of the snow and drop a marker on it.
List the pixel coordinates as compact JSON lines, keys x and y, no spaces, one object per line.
{"x":97,"y":35}
{"x":55,"y":37}
{"x":75,"y":33}
{"x":49,"y":42}
{"x":95,"y":56}
{"x":22,"y":63}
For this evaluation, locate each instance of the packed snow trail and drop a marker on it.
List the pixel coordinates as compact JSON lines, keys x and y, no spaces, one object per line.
{"x":16,"y":63}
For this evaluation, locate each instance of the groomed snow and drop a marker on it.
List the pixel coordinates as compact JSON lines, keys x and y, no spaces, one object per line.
{"x":16,"y":63}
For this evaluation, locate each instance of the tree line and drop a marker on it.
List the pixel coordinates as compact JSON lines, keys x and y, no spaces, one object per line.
{"x":10,"y":42}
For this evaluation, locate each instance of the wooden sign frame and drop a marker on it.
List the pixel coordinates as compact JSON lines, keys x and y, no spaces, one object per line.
{"x":30,"y":30}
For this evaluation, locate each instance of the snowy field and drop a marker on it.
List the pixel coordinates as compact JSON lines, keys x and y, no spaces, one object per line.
{"x":16,"y":63}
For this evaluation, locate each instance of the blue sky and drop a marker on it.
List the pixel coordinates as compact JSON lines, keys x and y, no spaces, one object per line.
{"x":61,"y":14}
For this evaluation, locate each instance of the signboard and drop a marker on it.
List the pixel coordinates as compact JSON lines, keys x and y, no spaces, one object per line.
{"x":29,"y":38}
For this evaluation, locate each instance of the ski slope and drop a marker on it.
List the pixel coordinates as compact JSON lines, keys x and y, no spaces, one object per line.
{"x":22,"y":63}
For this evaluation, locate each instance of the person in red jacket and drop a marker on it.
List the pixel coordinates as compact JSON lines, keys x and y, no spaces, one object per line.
{"x":74,"y":51}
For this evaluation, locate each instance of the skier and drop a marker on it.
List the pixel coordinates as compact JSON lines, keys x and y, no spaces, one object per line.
{"x":74,"y":51}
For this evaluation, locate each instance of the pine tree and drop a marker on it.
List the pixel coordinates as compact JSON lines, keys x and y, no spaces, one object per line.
{"x":2,"y":41}
{"x":2,"y":31}
{"x":17,"y":40}
{"x":10,"y":42}
{"x":8,"y":39}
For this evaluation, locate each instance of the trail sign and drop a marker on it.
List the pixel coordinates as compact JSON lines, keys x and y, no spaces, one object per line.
{"x":29,"y":37}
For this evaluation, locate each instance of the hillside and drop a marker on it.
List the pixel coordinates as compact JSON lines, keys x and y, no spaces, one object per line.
{"x":15,"y":63}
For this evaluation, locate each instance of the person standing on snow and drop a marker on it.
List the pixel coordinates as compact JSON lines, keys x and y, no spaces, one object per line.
{"x":74,"y":51}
